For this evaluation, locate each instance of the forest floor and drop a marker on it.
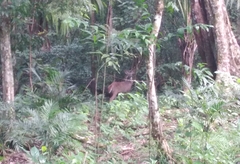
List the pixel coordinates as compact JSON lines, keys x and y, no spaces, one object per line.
{"x":135,"y":149}
{"x":140,"y":147}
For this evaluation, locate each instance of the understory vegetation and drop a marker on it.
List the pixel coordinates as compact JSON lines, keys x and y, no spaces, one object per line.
{"x":54,"y":126}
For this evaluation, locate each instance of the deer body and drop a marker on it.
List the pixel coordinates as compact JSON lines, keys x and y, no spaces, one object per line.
{"x":121,"y":87}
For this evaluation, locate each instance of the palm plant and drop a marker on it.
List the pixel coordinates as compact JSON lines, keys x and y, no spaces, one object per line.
{"x":48,"y":117}
{"x":48,"y":126}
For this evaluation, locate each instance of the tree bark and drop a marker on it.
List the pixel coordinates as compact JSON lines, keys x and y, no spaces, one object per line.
{"x":7,"y":67}
{"x":188,"y":47}
{"x":155,"y":119}
{"x":218,"y":47}
{"x":93,"y":57}
{"x":227,"y":48}
{"x":204,"y":39}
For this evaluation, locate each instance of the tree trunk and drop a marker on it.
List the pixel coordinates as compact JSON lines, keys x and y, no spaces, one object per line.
{"x":188,"y":47}
{"x":218,"y":47}
{"x":7,"y":67}
{"x":204,"y":39}
{"x":93,"y":56}
{"x":154,"y":115}
{"x":94,"y":63}
{"x":227,"y":47}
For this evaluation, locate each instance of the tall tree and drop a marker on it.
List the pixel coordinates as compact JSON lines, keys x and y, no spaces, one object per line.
{"x":218,"y":47}
{"x":156,"y":124}
{"x":6,"y":57}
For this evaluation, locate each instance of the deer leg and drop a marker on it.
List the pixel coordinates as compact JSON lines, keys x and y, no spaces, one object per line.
{"x":110,"y":87}
{"x":113,"y":96}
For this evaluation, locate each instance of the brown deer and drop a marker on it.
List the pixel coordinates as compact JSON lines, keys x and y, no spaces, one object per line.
{"x":121,"y":87}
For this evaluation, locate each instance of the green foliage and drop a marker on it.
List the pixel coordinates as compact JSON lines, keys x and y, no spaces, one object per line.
{"x":77,"y":158}
{"x":170,"y":99}
{"x":132,"y":108}
{"x":207,"y":122}
{"x":68,"y":14}
{"x":220,"y":146}
{"x":54,"y":118}
{"x":66,"y":58}
{"x":119,"y":47}
{"x":199,"y":133}
{"x":232,"y":3}
{"x":171,"y":73}
{"x":13,"y":8}
{"x":171,"y":7}
{"x":189,"y":29}
{"x":36,"y":156}
{"x":49,"y":124}
{"x":5,"y":126}
{"x":128,"y":14}
{"x":122,"y":121}
{"x":202,"y":76}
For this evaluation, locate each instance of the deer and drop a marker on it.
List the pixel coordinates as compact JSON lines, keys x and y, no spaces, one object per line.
{"x":121,"y":87}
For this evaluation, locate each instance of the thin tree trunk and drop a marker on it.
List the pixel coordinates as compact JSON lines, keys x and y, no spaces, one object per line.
{"x":7,"y":67}
{"x":94,"y":76}
{"x":155,"y":119}
{"x":30,"y":64}
{"x":187,"y":44}
{"x":188,"y":47}
{"x":93,"y":58}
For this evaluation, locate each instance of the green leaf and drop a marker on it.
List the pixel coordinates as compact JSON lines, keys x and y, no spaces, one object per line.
{"x":188,"y":134}
{"x":139,"y":2}
{"x":110,"y":63}
{"x":197,"y":27}
{"x":197,"y":125}
{"x":189,"y":29}
{"x":180,"y":31}
{"x":108,"y":60}
{"x":42,"y":159}
{"x":105,"y":56}
{"x":34,"y":152}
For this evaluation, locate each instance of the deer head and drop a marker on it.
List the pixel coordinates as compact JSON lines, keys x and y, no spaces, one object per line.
{"x":121,"y":87}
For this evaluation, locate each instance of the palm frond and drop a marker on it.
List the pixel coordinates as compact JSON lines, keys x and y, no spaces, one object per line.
{"x":49,"y":125}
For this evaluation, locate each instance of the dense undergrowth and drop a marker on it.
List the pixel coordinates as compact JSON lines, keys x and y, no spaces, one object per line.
{"x":54,"y":126}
